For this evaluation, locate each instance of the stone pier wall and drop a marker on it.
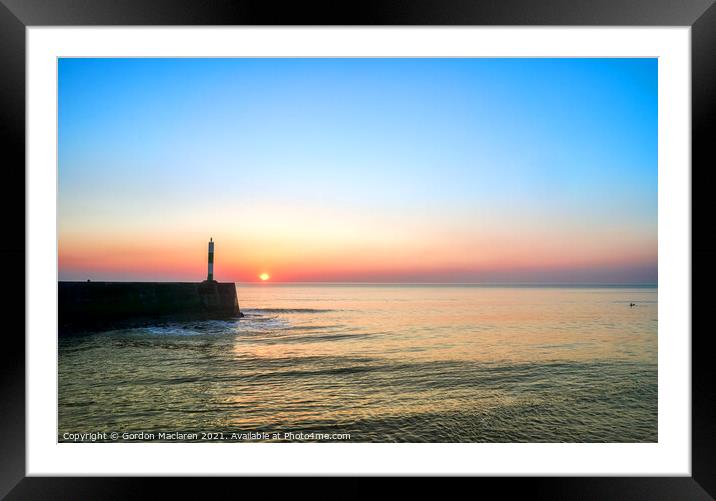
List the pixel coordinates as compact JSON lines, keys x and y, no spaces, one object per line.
{"x":91,"y":306}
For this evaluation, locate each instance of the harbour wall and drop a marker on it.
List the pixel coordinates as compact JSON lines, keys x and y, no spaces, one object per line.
{"x":93,"y":306}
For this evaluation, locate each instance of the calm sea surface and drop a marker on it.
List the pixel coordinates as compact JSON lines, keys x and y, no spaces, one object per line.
{"x":382,"y":364}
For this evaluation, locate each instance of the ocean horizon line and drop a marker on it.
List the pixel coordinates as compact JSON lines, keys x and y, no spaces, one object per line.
{"x":486,"y":284}
{"x":446,"y":284}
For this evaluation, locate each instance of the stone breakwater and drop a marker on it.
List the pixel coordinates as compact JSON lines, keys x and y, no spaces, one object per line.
{"x":94,"y":306}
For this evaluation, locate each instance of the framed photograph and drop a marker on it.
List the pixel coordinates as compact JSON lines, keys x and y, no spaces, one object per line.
{"x":426,"y":240}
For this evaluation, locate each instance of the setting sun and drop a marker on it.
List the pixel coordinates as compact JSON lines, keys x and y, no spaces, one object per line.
{"x":264,"y":276}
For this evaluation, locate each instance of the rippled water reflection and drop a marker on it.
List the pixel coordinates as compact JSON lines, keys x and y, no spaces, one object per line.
{"x":383,"y":363}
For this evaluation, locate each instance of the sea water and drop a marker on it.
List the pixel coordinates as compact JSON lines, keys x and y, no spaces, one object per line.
{"x":378,"y":363}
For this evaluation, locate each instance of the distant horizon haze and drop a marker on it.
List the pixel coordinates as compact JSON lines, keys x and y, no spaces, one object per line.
{"x":260,"y":283}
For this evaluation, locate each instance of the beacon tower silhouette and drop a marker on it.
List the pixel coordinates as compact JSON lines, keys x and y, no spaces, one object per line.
{"x":210,"y":277}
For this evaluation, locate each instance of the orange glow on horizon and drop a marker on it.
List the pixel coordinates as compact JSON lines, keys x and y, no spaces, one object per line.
{"x":450,"y":256}
{"x":342,"y":246}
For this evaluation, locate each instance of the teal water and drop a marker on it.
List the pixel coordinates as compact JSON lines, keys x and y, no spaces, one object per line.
{"x":382,"y":363}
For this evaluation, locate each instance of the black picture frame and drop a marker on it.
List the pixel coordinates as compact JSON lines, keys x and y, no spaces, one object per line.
{"x":16,"y":15}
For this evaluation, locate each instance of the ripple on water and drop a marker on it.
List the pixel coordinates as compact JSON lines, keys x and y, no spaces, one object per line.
{"x":437,"y":365}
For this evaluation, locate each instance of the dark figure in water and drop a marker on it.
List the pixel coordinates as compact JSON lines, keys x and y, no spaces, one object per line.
{"x":631,"y":305}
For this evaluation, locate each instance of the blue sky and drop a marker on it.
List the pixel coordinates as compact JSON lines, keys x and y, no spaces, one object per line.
{"x":455,"y":151}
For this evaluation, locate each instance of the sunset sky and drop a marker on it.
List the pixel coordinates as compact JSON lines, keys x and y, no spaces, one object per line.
{"x":359,"y":170}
